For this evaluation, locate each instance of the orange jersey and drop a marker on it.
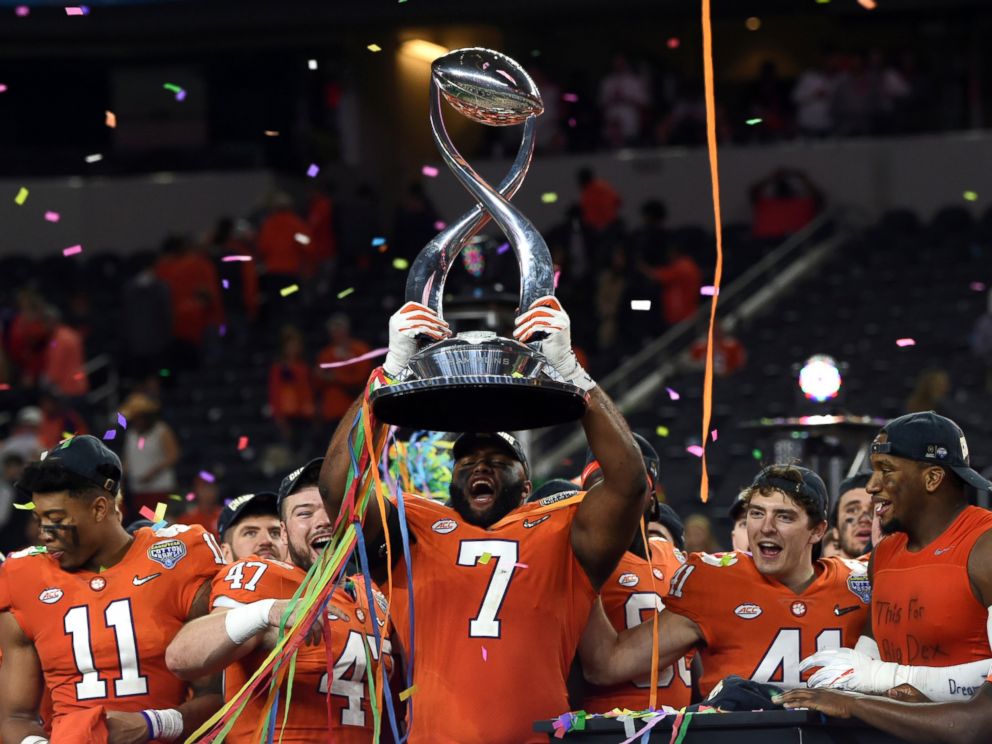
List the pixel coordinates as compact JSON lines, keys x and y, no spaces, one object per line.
{"x":351,"y":718}
{"x":923,"y":609}
{"x":499,"y":613}
{"x":630,"y":597}
{"x":101,"y":637}
{"x":758,"y":628}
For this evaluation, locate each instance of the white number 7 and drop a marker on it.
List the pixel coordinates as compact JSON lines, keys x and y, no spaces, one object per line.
{"x":485,"y":624}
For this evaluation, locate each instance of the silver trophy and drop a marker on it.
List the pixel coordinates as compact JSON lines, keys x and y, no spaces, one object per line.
{"x":478,"y":381}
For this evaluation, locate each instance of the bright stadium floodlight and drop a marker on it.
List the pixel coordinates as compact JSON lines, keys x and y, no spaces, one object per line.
{"x":819,"y":378}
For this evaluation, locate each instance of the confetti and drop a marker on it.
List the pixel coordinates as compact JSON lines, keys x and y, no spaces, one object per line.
{"x":485,"y":654}
{"x":225,"y":284}
{"x":661,"y":431}
{"x":242,"y":443}
{"x":5,"y":386}
{"x":121,"y":421}
{"x":110,"y":119}
{"x":570,"y":97}
{"x":345,"y":292}
{"x":287,"y":291}
{"x":549,"y":197}
{"x":361,"y":358}
{"x":159,"y":525}
{"x":311,"y":64}
{"x":970,"y":196}
{"x":164,"y":372}
{"x":160,"y":511}
{"x":180,"y":93}
{"x":520,"y":565}
{"x":191,"y":496}
{"x":440,"y":225}
{"x":713,"y":434}
{"x":868,"y":4}
{"x":94,"y":158}
{"x":673,"y":42}
{"x":977,"y":286}
{"x":430,"y":171}
{"x":52,"y":216}
{"x":672,"y":394}
{"x":640,"y":304}
{"x":22,"y":196}
{"x":405,"y":694}
{"x":141,"y":440}
{"x":374,"y":48}
{"x":694,"y":449}
{"x":905,"y":342}
{"x":401,"y":264}
{"x":22,"y":11}
{"x":25,"y":507}
{"x":302,"y":238}
{"x":756,"y":454}
{"x":378,"y":241}
{"x":313,"y":170}
{"x":485,"y":558}
{"x":236,"y":258}
{"x":110,"y":434}
{"x":752,"y":122}
{"x":753,"y":23}
{"x":271,"y":133}
{"x":72,"y":250}
{"x":207,"y":476}
{"x":557,"y":277}
{"x":147,"y":513}
{"x":175,"y":497}
{"x":503,"y":249}
{"x":76,"y":10}
{"x":3,"y":88}
{"x":708,"y":290}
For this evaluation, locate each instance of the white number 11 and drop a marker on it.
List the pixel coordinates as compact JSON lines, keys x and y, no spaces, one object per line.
{"x":485,"y":624}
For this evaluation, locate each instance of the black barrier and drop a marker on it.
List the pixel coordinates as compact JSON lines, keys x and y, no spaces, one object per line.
{"x":760,"y":727}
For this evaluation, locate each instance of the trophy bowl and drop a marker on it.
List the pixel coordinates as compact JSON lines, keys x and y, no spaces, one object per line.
{"x":487,"y":87}
{"x":478,"y":381}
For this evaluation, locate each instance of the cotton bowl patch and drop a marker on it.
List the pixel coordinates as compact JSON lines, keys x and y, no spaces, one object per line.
{"x":167,"y":552}
{"x":860,"y":587}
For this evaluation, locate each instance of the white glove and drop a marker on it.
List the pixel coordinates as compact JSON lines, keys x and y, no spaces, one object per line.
{"x":545,"y":315}
{"x":410,"y":321}
{"x":847,"y":669}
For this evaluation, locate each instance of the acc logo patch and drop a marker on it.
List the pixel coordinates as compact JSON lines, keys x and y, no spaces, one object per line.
{"x":360,"y":614}
{"x":51,"y":595}
{"x":747,"y":611}
{"x":444,"y":526}
{"x":860,"y":586}
{"x":168,"y":552}
{"x":628,"y":579}
{"x":658,"y":574}
{"x":718,"y":559}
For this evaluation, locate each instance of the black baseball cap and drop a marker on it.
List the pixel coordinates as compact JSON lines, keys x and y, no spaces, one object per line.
{"x":263,"y":502}
{"x":308,"y":472}
{"x":652,"y":463}
{"x":505,"y":441}
{"x":667,"y":516}
{"x":90,"y":459}
{"x":811,"y":486}
{"x":927,"y":436}
{"x":736,"y":510}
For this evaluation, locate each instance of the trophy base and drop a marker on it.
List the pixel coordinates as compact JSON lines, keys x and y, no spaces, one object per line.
{"x":478,"y":403}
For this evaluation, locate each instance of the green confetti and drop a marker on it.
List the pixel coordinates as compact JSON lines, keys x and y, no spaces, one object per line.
{"x":516,"y":375}
{"x":287,"y":291}
{"x":661,"y":431}
{"x":22,"y":196}
{"x":401,"y":264}
{"x":25,"y":507}
{"x":970,"y":196}
{"x":164,"y":373}
{"x":172,"y":87}
{"x":345,"y":292}
{"x":549,"y":197}
{"x":752,"y":122}
{"x":486,"y":557}
{"x":756,"y":454}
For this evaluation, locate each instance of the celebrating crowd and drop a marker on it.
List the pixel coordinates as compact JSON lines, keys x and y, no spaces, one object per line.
{"x":132,"y":633}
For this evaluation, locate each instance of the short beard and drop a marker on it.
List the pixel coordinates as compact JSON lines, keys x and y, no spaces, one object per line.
{"x":891,"y":527}
{"x":508,"y":499}
{"x":300,"y":559}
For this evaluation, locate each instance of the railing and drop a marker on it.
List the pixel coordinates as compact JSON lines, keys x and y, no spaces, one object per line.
{"x":643,"y":374}
{"x":106,"y":396}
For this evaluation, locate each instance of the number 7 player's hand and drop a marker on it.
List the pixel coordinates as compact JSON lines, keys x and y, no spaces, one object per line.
{"x":405,"y":326}
{"x":547,"y":316}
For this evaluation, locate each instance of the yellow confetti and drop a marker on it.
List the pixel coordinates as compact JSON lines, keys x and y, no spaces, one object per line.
{"x":661,"y":431}
{"x":345,"y":292}
{"x":516,"y":375}
{"x":25,"y":507}
{"x":287,"y":291}
{"x":374,"y":48}
{"x":111,"y":120}
{"x":486,"y":557}
{"x":401,"y":264}
{"x":160,"y":511}
{"x":22,"y":196}
{"x":970,"y":196}
{"x":549,"y":197}
{"x":405,"y":694}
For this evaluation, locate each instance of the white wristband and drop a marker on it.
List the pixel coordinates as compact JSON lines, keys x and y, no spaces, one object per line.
{"x":574,"y":373}
{"x":243,"y":622}
{"x":163,"y":725}
{"x":34,"y":740}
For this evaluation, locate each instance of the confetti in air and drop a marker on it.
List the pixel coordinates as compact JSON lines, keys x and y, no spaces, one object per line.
{"x":242,"y":443}
{"x":302,"y":238}
{"x":756,"y":454}
{"x":673,"y":42}
{"x":178,"y":90}
{"x":110,"y":434}
{"x":485,"y":654}
{"x":672,"y":394}
{"x":110,"y":120}
{"x":868,"y":4}
{"x":207,"y":476}
{"x":72,"y":250}
{"x":694,"y":449}
{"x":121,"y":421}
{"x":503,"y":249}
{"x":374,"y":48}
{"x":752,"y":122}
{"x":557,"y":277}
{"x":905,"y":342}
{"x":147,"y":514}
{"x":713,"y":434}
{"x":430,"y":171}
{"x":549,"y":197}
{"x":440,"y":225}
{"x":287,"y":291}
{"x":94,"y":158}
{"x":24,"y":507}
{"x":661,"y":431}
{"x":977,"y":286}
{"x":271,"y":133}
{"x":708,"y":290}
{"x":640,"y":304}
{"x":311,"y":64}
{"x":22,"y":196}
{"x":141,"y":440}
{"x":970,"y":196}
{"x":378,"y":241}
{"x":225,"y":284}
{"x":345,"y":292}
{"x":3,"y":88}
{"x":570,"y":97}
{"x":401,"y":264}
{"x":313,"y":170}
{"x":236,"y":258}
{"x":22,"y":11}
{"x":77,"y":10}
{"x":52,"y":216}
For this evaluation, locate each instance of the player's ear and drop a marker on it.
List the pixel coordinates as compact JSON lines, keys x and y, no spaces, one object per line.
{"x":933,"y":476}
{"x":103,"y":508}
{"x":225,"y":550}
{"x":525,"y":493}
{"x":818,"y":532}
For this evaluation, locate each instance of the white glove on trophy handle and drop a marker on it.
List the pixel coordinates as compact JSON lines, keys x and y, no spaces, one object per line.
{"x":546,"y":320}
{"x":411,"y":321}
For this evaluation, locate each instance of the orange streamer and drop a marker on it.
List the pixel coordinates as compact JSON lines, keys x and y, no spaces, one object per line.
{"x":704,"y":484}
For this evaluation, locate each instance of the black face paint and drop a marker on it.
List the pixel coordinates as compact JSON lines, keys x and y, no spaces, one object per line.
{"x":54,"y":531}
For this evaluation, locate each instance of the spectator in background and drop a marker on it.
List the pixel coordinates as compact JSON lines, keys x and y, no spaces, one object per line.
{"x":63,"y":373}
{"x":931,"y":391}
{"x":357,"y":223}
{"x":320,"y":219}
{"x":813,"y":96}
{"x":413,"y":227}
{"x":25,"y":439}
{"x":285,"y":247}
{"x":151,"y":453}
{"x":728,"y":352}
{"x":738,"y":518}
{"x":830,"y":545}
{"x":206,"y":506}
{"x":680,"y":279}
{"x":59,"y":420}
{"x":27,"y":337}
{"x":623,"y":99}
{"x":611,"y":291}
{"x":291,"y":392}
{"x":768,"y":101}
{"x":341,"y":385}
{"x":981,"y":342}
{"x":892,"y":90}
{"x":782,"y":203}
{"x":13,"y":522}
{"x":651,"y":240}
{"x":699,"y":536}
{"x":852,"y":515}
{"x":599,"y":201}
{"x":856,"y":97}
{"x":238,"y":279}
{"x":146,"y":325}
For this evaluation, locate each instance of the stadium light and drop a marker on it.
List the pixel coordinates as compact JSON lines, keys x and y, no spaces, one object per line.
{"x":425,"y":51}
{"x":819,"y":378}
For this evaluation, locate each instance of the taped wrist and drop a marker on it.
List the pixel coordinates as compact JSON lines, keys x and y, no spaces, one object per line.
{"x":570,"y":369}
{"x":34,"y":740}
{"x":163,"y":725}
{"x":243,"y":622}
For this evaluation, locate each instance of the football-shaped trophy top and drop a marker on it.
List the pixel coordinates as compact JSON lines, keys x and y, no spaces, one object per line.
{"x":487,"y":87}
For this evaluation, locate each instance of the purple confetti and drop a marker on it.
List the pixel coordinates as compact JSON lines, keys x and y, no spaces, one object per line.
{"x":208,"y":477}
{"x":222,"y":331}
{"x":121,"y":421}
{"x":672,"y":394}
{"x":714,"y":434}
{"x":110,"y":434}
{"x":225,"y":284}
{"x":557,"y":277}
{"x":977,"y":286}
{"x":440,"y":225}
{"x":503,"y":248}
{"x":22,"y":11}
{"x":905,"y":342}
{"x":181,"y":95}
{"x":708,"y":290}
{"x":72,"y":250}
{"x":313,"y":170}
{"x":570,"y":97}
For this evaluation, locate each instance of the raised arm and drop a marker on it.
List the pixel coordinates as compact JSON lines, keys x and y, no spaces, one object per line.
{"x":606,"y":521}
{"x":21,"y":683}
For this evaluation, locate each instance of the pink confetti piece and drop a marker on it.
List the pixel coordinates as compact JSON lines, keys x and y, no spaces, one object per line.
{"x":141,"y":443}
{"x":520,"y":565}
{"x":708,"y":290}
{"x":557,"y":277}
{"x":503,"y":249}
{"x":5,"y":386}
{"x":570,"y":97}
{"x":430,"y":171}
{"x":207,"y":476}
{"x":673,"y":42}
{"x":354,"y":360}
{"x":110,"y":434}
{"x":22,"y":11}
{"x":72,"y":250}
{"x":694,"y":449}
{"x":440,"y":225}
{"x":977,"y":286}
{"x":147,"y":513}
{"x":485,"y":654}
{"x":713,"y":434}
{"x":313,"y":170}
{"x":191,"y":496}
{"x":508,"y":76}
{"x":52,"y":216}
{"x":121,"y":421}
{"x":905,"y":342}
{"x":3,"y":88}
{"x":242,"y":443}
{"x":76,"y":10}
{"x":236,"y":258}
{"x":672,"y":394}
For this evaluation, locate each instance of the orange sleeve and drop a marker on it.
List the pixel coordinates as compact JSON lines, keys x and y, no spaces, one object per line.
{"x":203,"y":558}
{"x":251,"y":580}
{"x":694,"y":589}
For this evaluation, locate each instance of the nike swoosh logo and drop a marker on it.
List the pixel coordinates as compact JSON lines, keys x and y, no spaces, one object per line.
{"x":838,"y":610}
{"x":940,"y":551}
{"x":528,"y":524}
{"x":139,"y":582}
